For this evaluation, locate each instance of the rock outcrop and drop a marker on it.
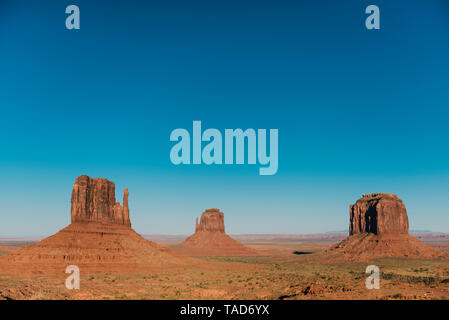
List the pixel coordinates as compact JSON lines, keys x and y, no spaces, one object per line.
{"x":93,"y":200}
{"x":378,"y":213}
{"x":210,"y":238}
{"x":211,"y":220}
{"x":378,"y":227}
{"x":99,"y":239}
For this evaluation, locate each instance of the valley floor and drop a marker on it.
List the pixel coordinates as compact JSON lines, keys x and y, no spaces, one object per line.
{"x":281,"y":270}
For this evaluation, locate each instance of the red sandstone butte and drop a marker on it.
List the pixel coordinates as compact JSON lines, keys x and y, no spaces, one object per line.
{"x":212,"y":220}
{"x":99,"y":239}
{"x":378,"y":213}
{"x":378,"y":227}
{"x":210,"y":237}
{"x":93,"y":200}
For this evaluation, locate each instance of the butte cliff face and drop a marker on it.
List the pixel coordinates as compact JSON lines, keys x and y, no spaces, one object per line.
{"x":378,"y":227}
{"x":93,"y":200}
{"x":378,"y":213}
{"x":99,"y":239}
{"x":211,"y":220}
{"x":210,"y":237}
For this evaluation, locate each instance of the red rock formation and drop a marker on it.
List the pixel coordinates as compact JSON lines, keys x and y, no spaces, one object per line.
{"x":99,"y":239}
{"x":210,"y":238}
{"x":378,"y":213}
{"x":211,"y":220}
{"x":379,"y":228}
{"x":93,"y":200}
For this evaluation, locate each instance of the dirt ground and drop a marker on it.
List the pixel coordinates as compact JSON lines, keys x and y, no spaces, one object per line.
{"x":280,"y":270}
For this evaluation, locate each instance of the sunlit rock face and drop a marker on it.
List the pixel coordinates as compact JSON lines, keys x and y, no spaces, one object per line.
{"x":211,"y":220}
{"x":93,"y":200}
{"x":378,"y":213}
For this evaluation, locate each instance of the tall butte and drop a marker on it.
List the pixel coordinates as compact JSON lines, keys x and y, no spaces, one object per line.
{"x":99,"y":238}
{"x":378,"y":227}
{"x":93,"y":200}
{"x":210,"y":237}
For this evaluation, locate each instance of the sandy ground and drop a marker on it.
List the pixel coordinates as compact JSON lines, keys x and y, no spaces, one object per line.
{"x":280,"y":270}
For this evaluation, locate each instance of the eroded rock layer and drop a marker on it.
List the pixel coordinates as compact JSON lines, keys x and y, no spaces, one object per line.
{"x":93,"y":200}
{"x":211,"y":220}
{"x":378,"y":227}
{"x":378,"y":213}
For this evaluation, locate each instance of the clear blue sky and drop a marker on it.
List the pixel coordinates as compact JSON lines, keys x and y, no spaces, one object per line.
{"x":358,"y":111}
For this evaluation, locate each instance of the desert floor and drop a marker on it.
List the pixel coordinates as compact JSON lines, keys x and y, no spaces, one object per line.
{"x":281,"y":270}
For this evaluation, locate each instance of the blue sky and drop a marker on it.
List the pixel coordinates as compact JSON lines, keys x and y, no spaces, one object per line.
{"x":358,"y":111}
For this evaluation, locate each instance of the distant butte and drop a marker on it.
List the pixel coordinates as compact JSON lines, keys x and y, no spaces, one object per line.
{"x":212,"y":220}
{"x":379,"y":227}
{"x":210,"y":237}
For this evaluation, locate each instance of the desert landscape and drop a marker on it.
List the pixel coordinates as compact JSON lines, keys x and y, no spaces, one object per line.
{"x":117,"y":263}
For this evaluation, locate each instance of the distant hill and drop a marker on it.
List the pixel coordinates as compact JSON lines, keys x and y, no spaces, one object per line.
{"x":328,"y":236}
{"x":338,"y":231}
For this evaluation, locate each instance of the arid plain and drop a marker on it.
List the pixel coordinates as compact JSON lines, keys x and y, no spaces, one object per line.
{"x":282,"y":269}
